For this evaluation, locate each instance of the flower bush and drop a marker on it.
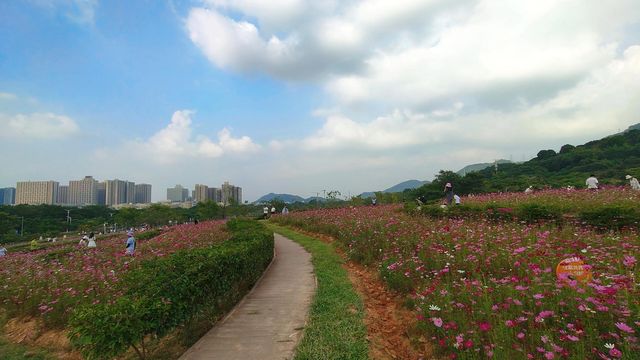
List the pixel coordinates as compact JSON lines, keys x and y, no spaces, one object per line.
{"x":487,"y":288}
{"x":51,"y":283}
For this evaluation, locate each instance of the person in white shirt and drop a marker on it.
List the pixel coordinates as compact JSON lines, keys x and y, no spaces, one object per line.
{"x":92,"y":241}
{"x":3,"y":251}
{"x":265,"y":212}
{"x":529,"y":189}
{"x":273,"y":210}
{"x":285,"y":211}
{"x":456,"y":198}
{"x":635,"y":185}
{"x":592,"y":182}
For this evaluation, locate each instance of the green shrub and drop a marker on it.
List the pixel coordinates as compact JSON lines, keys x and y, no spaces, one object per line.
{"x":531,"y":212}
{"x":611,"y":217}
{"x":146,"y":235}
{"x":166,"y":292}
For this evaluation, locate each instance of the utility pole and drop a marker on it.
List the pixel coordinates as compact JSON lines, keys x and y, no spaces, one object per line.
{"x":68,"y":219}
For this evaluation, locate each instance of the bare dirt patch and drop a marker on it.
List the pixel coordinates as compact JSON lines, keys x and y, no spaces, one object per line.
{"x":29,"y":332}
{"x":388,"y":322}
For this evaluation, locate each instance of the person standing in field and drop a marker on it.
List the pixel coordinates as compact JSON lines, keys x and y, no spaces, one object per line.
{"x":285,"y":211}
{"x":457,"y":199}
{"x":92,"y":240}
{"x":448,"y":193}
{"x":273,"y":210}
{"x":3,"y":251}
{"x":265,"y":212}
{"x":635,"y":185}
{"x":592,"y":182}
{"x":131,"y":243}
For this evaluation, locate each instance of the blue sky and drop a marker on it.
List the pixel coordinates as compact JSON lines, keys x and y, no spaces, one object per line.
{"x":299,"y":96}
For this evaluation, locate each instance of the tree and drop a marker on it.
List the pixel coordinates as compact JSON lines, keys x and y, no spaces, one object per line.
{"x":207,"y":210}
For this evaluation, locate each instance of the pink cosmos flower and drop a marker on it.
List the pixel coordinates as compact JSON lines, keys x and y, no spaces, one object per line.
{"x":549,"y":355}
{"x":624,"y":327}
{"x":615,"y":353}
{"x":509,"y":323}
{"x":437,"y":322}
{"x":520,"y":336}
{"x":484,"y":326}
{"x":538,"y":296}
{"x":629,"y":261}
{"x":573,"y":338}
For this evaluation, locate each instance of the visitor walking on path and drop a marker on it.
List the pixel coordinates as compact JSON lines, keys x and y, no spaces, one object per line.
{"x":592,"y":182}
{"x":635,"y":185}
{"x":265,"y":212}
{"x":131,"y":243}
{"x":92,"y":240}
{"x":448,"y":193}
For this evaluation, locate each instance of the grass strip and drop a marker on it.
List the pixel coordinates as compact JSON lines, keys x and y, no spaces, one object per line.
{"x":335,"y":329}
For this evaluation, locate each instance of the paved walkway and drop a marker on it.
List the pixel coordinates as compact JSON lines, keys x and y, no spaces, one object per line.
{"x":269,"y":321}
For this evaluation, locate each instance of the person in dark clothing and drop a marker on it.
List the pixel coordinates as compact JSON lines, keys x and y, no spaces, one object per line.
{"x":448,"y":193}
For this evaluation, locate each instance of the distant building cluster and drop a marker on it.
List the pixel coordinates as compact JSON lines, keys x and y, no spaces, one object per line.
{"x":226,"y":194}
{"x":87,"y":191}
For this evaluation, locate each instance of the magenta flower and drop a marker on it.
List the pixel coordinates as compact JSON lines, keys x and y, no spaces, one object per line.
{"x":615,"y":353}
{"x":549,"y":355}
{"x":624,"y":327}
{"x":629,"y":260}
{"x":484,"y":326}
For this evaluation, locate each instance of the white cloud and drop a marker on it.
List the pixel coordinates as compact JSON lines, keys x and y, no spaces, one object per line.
{"x":608,"y":99}
{"x":176,"y":142}
{"x":37,"y":126}
{"x":417,"y":53}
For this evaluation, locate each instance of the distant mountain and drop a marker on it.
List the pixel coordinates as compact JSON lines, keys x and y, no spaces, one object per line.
{"x":409,"y":184}
{"x":287,"y":198}
{"x":480,"y":166}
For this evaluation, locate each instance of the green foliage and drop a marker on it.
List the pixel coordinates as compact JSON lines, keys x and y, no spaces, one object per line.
{"x":166,"y":292}
{"x":611,"y":217}
{"x":146,"y":235}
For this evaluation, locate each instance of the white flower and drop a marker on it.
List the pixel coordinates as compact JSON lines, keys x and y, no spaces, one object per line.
{"x":461,"y":271}
{"x":583,"y":250}
{"x":434,"y":308}
{"x":609,"y":345}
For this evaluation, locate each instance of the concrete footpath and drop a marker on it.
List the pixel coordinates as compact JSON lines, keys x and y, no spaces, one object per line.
{"x":269,"y":321}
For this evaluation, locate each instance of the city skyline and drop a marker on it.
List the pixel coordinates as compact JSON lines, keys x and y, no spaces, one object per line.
{"x":297,"y":96}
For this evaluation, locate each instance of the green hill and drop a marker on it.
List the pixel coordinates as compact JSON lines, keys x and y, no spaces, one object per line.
{"x":609,"y":159}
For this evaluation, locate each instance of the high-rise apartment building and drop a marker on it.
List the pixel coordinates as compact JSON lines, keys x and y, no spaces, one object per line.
{"x":231,"y":193}
{"x":36,"y":192}
{"x":177,"y":194}
{"x":115,"y":192}
{"x":143,"y":193}
{"x":131,"y":192}
{"x":214,"y":194}
{"x":63,"y":195}
{"x":7,"y":196}
{"x":201,"y":193}
{"x":83,"y":192}
{"x":101,"y":190}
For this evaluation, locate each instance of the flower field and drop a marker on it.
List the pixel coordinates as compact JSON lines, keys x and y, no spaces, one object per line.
{"x":568,"y":201}
{"x":51,"y":283}
{"x":488,"y":289}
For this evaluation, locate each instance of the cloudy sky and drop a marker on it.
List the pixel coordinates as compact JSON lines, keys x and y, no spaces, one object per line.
{"x":300,"y":96}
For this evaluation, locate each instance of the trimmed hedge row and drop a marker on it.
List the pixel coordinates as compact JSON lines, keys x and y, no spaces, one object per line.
{"x":606,"y":217}
{"x":165,"y":292}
